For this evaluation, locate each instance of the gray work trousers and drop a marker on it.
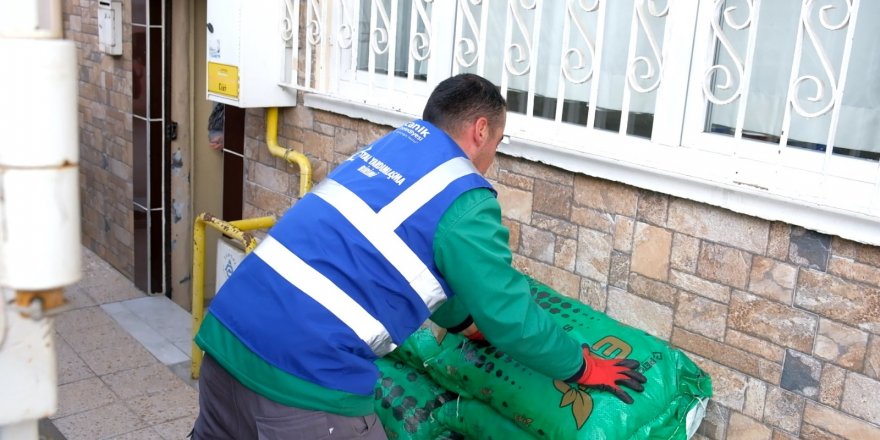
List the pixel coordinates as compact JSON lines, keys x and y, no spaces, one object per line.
{"x":229,"y":410}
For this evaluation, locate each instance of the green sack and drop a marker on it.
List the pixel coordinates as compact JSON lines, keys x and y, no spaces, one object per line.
{"x":404,"y":401}
{"x":427,"y":343}
{"x":450,"y":435}
{"x":479,"y":422}
{"x":670,"y":407}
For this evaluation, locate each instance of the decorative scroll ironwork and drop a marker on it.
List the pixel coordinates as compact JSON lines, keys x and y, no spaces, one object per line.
{"x":466,"y":47}
{"x":721,"y":70}
{"x":652,"y":68}
{"x":314,"y":23}
{"x":346,"y":32}
{"x":420,"y":43}
{"x":517,"y":52}
{"x":819,"y":85}
{"x":380,"y":40}
{"x":289,"y":22}
{"x":579,"y":62}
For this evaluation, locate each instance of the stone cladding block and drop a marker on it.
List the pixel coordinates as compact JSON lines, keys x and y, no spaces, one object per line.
{"x":772,"y":279}
{"x":552,"y":199}
{"x":651,"y":251}
{"x":718,"y":225}
{"x":837,"y":299}
{"x":831,"y":385}
{"x":606,"y":196}
{"x":685,"y":252}
{"x":701,"y":316}
{"x":772,"y":321}
{"x":695,"y":284}
{"x":652,"y":208}
{"x":838,"y":423}
{"x":725,"y":265}
{"x":784,"y":410}
{"x":516,"y":204}
{"x":652,"y":289}
{"x":841,"y":345}
{"x":746,"y":428}
{"x":638,"y":312}
{"x":860,"y":397}
{"x":594,"y":255}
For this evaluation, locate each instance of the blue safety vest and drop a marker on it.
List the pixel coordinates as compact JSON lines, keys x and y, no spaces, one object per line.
{"x":348,"y":272}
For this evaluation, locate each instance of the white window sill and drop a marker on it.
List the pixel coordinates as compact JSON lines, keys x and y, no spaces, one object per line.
{"x":743,"y":199}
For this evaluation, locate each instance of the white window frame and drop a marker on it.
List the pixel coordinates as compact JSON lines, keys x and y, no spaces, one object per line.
{"x":746,"y":176}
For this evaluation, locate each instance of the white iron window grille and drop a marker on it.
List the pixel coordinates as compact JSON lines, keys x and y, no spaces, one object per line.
{"x":773,"y":101}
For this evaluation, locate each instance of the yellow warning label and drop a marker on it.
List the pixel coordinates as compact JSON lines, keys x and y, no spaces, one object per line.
{"x":223,"y":79}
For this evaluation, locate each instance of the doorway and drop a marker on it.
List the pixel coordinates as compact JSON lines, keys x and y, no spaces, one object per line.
{"x":204,"y":179}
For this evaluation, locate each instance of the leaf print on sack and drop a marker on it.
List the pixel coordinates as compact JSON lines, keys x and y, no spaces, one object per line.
{"x":581,"y":403}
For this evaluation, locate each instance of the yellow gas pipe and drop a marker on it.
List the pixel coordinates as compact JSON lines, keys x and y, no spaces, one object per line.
{"x":291,"y":156}
{"x":235,"y":229}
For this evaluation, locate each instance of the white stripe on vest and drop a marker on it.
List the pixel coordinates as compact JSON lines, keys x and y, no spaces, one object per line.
{"x":378,"y":228}
{"x":330,"y":296}
{"x":407,"y":203}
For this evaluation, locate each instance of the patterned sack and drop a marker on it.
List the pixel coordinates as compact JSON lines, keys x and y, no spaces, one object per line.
{"x":671,"y":406}
{"x":427,"y":343}
{"x":477,"y":421}
{"x":404,"y":401}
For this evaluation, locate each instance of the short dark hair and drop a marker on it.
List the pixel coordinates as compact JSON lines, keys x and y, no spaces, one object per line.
{"x":461,"y":99}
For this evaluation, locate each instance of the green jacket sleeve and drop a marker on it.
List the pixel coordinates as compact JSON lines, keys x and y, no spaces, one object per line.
{"x":471,"y":251}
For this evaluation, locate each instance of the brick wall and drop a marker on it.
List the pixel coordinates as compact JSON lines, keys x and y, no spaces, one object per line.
{"x":105,"y":136}
{"x":787,"y":321}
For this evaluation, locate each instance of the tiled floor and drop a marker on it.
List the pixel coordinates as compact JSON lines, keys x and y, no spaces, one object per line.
{"x":123,"y":362}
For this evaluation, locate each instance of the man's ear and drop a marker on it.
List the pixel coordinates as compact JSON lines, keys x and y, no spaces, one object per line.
{"x":481,"y":131}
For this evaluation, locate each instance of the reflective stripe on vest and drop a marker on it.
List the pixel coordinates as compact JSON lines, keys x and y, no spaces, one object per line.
{"x":322,"y":290}
{"x":378,"y":229}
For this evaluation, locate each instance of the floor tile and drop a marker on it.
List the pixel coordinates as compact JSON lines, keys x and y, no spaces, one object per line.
{"x":166,"y":406}
{"x":71,"y":321}
{"x":110,"y":360}
{"x":110,"y":345}
{"x":105,"y":422}
{"x":82,"y":396}
{"x":142,"y":381}
{"x":162,"y":348}
{"x":183,"y":370}
{"x":163,"y":315}
{"x":176,"y":429}
{"x":100,"y":336}
{"x":114,"y":290}
{"x":77,"y":298}
{"x":71,"y":367}
{"x":143,"y":434}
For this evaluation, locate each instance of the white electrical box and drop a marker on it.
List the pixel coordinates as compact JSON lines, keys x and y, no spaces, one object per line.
{"x":246,"y":54}
{"x":110,"y":26}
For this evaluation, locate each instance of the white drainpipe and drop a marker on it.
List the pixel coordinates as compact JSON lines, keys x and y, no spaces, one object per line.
{"x":39,"y":205}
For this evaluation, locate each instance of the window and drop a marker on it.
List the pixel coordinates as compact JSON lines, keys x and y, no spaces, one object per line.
{"x":764,"y":98}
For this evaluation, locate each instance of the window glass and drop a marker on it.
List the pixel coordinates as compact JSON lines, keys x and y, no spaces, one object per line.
{"x":797,"y":67}
{"x":378,"y":28}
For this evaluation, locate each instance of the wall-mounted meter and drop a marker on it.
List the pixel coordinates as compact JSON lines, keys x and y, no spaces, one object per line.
{"x":245,"y":54}
{"x":110,"y":26}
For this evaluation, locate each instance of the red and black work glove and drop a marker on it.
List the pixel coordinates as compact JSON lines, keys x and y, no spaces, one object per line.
{"x":477,"y":336}
{"x":610,"y":374}
{"x":469,"y":330}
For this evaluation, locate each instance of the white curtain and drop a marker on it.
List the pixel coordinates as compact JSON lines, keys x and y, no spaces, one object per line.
{"x":403,"y":41}
{"x":545,"y":59}
{"x":770,"y":72}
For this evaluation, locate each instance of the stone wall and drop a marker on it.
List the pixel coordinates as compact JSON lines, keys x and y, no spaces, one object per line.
{"x":105,"y":96}
{"x":786,"y":320}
